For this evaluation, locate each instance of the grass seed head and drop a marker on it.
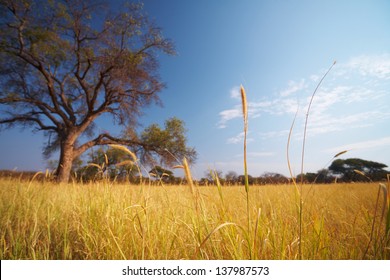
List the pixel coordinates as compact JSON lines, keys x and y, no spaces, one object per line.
{"x":340,"y":153}
{"x":187,"y":172}
{"x":359,"y":172}
{"x":126,"y":150}
{"x":244,"y":105}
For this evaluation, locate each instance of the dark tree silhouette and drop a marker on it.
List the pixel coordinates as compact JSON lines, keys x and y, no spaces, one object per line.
{"x":347,"y":169}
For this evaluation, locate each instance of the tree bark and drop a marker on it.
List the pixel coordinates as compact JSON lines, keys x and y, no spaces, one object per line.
{"x":66,"y":160}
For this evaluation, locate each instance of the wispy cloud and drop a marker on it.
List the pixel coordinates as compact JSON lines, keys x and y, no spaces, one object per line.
{"x":353,"y":96}
{"x":260,"y":154}
{"x":239,"y":138}
{"x":323,"y":124}
{"x":292,"y":87}
{"x":235,"y":93}
{"x":273,"y":134}
{"x":277,"y":106}
{"x":364,"y":145}
{"x":333,"y":109}
{"x":254,"y":155}
{"x":374,"y":65}
{"x":228,"y":115}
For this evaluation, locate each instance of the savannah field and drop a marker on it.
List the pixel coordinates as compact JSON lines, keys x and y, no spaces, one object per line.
{"x":104,"y":220}
{"x":110,"y":221}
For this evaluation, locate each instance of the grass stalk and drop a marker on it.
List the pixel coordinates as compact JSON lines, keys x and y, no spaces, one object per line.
{"x":245,"y":116}
{"x":210,"y":234}
{"x":388,"y":208}
{"x":299,"y":190}
{"x":307,"y":119}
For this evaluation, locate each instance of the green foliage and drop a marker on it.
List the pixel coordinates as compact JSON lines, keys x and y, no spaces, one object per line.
{"x":164,"y":175}
{"x":346,"y":168}
{"x":170,"y":143}
{"x":106,"y":163}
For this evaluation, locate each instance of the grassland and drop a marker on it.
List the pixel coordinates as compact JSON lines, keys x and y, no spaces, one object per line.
{"x":113,"y":221}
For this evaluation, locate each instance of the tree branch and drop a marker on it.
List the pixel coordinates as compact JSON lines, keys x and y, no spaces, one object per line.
{"x":64,"y":102}
{"x":106,"y":139}
{"x":46,"y":109}
{"x":26,"y":118}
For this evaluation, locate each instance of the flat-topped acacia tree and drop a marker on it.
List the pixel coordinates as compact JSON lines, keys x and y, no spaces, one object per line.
{"x":64,"y":64}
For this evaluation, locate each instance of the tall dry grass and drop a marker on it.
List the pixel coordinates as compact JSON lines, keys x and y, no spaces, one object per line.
{"x":113,"y":221}
{"x":298,"y":187}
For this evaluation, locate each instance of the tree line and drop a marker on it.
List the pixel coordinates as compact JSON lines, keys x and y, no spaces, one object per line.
{"x":340,"y":170}
{"x":107,"y":163}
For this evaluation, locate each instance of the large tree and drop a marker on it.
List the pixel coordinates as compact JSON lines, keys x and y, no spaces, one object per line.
{"x":65,"y":63}
{"x":347,"y":169}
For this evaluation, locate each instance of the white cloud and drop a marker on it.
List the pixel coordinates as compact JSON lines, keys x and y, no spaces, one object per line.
{"x":235,"y":93}
{"x":239,"y":138}
{"x":364,"y":145}
{"x":256,"y":154}
{"x":261,"y":154}
{"x":273,"y":134}
{"x":236,"y":139}
{"x":326,"y":98}
{"x":354,"y":95}
{"x":325,"y":123}
{"x":314,"y":78}
{"x":228,"y":115}
{"x":285,"y":106}
{"x":256,"y":108}
{"x":292,"y":87}
{"x":374,"y":65}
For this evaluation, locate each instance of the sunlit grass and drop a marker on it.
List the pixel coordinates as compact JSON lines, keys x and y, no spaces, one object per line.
{"x":113,"y":221}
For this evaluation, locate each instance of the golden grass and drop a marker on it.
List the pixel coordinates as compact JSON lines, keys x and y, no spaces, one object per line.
{"x":245,"y":116}
{"x":299,"y":190}
{"x":248,"y":214}
{"x":113,"y":221}
{"x":126,"y":150}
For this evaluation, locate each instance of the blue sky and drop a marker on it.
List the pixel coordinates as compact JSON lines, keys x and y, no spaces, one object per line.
{"x":278,"y":50}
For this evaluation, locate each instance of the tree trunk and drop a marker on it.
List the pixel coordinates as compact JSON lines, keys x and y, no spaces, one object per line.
{"x":65,"y":163}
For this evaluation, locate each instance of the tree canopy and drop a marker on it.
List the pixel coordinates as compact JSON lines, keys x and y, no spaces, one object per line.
{"x":66,"y":63}
{"x":349,"y":169}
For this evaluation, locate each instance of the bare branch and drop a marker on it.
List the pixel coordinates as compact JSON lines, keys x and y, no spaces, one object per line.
{"x":106,"y":139}
{"x":25,"y":119}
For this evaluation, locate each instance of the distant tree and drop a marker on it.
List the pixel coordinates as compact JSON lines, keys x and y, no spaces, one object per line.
{"x":65,"y":63}
{"x":321,"y":176}
{"x":106,"y":162}
{"x":231,"y":177}
{"x":167,"y":146}
{"x":346,"y":169}
{"x":324,"y":176}
{"x":273,"y":178}
{"x":210,"y":176}
{"x":162,"y":174}
{"x":310,"y":177}
{"x":241,"y":179}
{"x":205,"y":182}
